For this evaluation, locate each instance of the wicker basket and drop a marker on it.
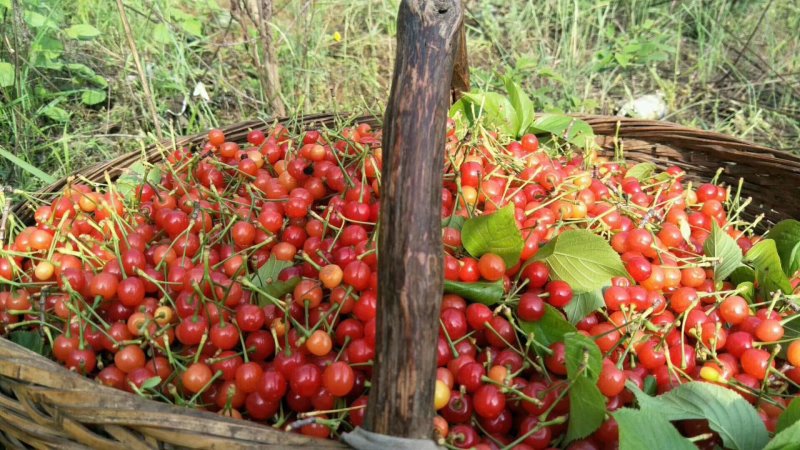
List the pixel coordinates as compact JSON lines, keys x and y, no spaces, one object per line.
{"x":42,"y":405}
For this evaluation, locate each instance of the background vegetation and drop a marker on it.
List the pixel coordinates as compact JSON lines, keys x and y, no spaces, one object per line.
{"x":71,"y":93}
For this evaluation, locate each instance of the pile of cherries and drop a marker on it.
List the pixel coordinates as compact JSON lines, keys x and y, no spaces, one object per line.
{"x":244,"y":281}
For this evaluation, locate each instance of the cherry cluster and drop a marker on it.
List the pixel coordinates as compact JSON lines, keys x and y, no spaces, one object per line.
{"x":243,"y":280}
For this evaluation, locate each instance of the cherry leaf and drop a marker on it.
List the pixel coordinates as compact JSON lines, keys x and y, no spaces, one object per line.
{"x":583,"y":259}
{"x":647,"y":429}
{"x":550,"y":328}
{"x":786,"y":235}
{"x":767,"y":263}
{"x":790,"y":416}
{"x":481,"y":291}
{"x":587,"y":408}
{"x":31,"y":340}
{"x":724,"y":248}
{"x":728,"y":413}
{"x":266,"y":279}
{"x":641,"y":171}
{"x":495,"y":233}
{"x":582,"y":304}
{"x":786,"y":439}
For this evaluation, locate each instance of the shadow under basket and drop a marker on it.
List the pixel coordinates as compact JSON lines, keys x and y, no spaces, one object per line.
{"x":42,"y":405}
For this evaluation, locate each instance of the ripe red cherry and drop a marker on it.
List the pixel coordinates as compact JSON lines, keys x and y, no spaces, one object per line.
{"x":537,"y":274}
{"x":755,"y":362}
{"x":357,"y":274}
{"x":250,"y":317}
{"x":560,"y":293}
{"x":612,"y":380}
{"x":491,"y":267}
{"x":196,"y":377}
{"x":83,"y":361}
{"x":488,"y":401}
{"x":530,"y":143}
{"x":531,"y":307}
{"x":769,"y":330}
{"x":338,"y":378}
{"x":556,"y":362}
{"x":130,"y":292}
{"x":639,"y":240}
{"x":273,"y":385}
{"x":639,"y":268}
{"x":256,"y":137}
{"x":248,"y":377}
{"x":306,"y":380}
{"x":216,"y":137}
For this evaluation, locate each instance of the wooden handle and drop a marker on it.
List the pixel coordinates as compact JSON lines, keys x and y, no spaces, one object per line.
{"x":410,"y":266}
{"x":460,"y":83}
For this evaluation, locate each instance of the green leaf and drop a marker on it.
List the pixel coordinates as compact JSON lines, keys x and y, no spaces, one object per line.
{"x":192,"y":27}
{"x":623,"y":59}
{"x":87,"y":73}
{"x":523,"y":106}
{"x":587,"y":405}
{"x":28,"y":167}
{"x":93,"y":97}
{"x":481,"y":292}
{"x":278,"y":289}
{"x":582,"y":304}
{"x":462,"y":113}
{"x":151,"y":383}
{"x":266,"y":279}
{"x":641,"y":171}
{"x":36,"y":20}
{"x":724,"y":248}
{"x":454,"y":222}
{"x":747,"y":290}
{"x":769,"y":274}
{"x":790,"y":416}
{"x":581,"y":134}
{"x":6,"y":74}
{"x":650,"y":385}
{"x":495,"y":233}
{"x":648,"y":430}
{"x":136,"y":175}
{"x":743,"y":274}
{"x":575,"y":131}
{"x":786,"y":439}
{"x":162,"y":34}
{"x":82,"y":31}
{"x":786,"y":235}
{"x":727,"y":412}
{"x":55,"y":113}
{"x":581,"y":258}
{"x":31,"y":340}
{"x":551,"y":123}
{"x":550,"y":329}
{"x":587,"y":409}
{"x":582,"y":356}
{"x":493,"y":108}
{"x":45,"y":49}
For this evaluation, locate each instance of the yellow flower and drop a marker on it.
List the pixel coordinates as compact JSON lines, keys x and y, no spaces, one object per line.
{"x":337,"y":36}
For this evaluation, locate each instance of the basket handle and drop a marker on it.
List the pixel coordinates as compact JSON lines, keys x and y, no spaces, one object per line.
{"x":460,"y":83}
{"x":410,"y":267}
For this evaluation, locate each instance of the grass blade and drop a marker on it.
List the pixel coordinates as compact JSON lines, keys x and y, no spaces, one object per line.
{"x":26,"y":166}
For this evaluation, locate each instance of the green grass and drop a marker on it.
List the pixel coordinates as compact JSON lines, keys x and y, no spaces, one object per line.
{"x":75,"y":97}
